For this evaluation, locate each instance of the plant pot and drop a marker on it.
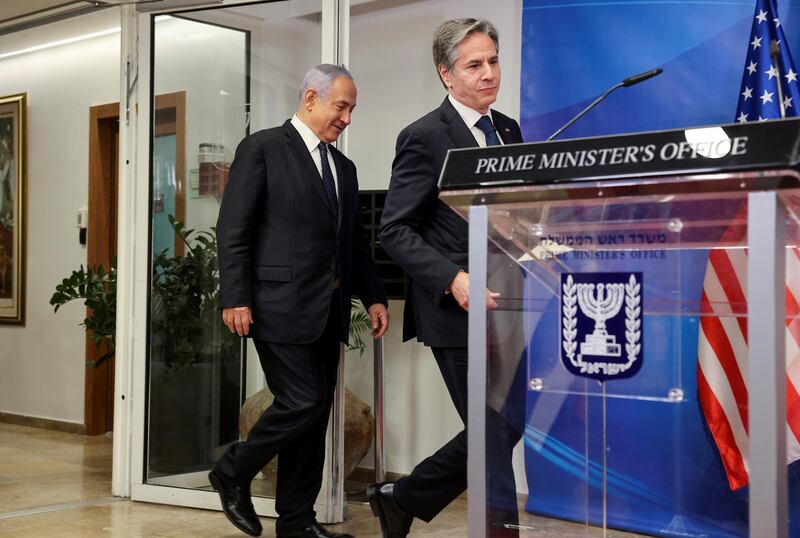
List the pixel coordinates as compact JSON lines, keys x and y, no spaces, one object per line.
{"x":185,"y":428}
{"x":358,"y":427}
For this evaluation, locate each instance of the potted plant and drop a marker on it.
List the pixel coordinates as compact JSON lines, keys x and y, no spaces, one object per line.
{"x":194,"y":364}
{"x":98,"y":289}
{"x":194,"y":361}
{"x":183,"y":286}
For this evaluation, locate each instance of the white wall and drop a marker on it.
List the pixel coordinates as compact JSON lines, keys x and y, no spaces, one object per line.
{"x":390,"y":58}
{"x":42,"y":364}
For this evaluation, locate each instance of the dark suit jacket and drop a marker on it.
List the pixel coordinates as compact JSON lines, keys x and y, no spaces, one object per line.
{"x":280,"y":250}
{"x":421,"y":233}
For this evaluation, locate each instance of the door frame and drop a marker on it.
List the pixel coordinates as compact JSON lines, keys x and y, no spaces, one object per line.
{"x":130,"y":451}
{"x":102,"y":232}
{"x":98,"y":406}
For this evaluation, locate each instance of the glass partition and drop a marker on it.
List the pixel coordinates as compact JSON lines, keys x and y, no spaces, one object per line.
{"x":618,"y":353}
{"x":217,"y":75}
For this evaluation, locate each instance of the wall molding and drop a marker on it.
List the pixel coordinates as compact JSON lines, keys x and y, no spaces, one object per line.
{"x":44,"y":423}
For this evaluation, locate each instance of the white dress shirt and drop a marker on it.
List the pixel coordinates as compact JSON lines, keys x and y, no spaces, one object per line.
{"x":471,"y":117}
{"x":312,"y":143}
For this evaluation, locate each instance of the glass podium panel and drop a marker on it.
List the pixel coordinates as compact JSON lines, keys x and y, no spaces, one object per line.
{"x":618,"y":354}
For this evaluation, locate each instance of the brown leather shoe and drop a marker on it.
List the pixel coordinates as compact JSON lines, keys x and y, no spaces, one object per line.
{"x":395,"y":522}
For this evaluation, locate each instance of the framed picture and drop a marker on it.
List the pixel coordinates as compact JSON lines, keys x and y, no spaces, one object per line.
{"x":12,"y":208}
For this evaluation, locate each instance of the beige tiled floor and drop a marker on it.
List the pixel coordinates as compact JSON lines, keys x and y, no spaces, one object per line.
{"x":41,"y":468}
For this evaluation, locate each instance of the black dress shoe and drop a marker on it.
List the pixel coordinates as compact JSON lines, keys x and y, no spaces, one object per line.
{"x":395,"y":522}
{"x":315,"y":530}
{"x":236,"y":504}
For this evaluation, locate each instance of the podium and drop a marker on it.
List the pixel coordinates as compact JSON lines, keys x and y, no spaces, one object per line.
{"x":649,"y":289}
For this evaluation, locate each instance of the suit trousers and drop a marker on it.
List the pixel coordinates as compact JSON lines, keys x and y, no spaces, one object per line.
{"x":302,"y":378}
{"x":439,"y":479}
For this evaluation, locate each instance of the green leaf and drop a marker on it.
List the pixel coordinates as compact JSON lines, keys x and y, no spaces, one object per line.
{"x":185,"y":324}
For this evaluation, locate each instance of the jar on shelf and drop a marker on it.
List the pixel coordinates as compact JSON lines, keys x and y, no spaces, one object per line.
{"x":213,"y":170}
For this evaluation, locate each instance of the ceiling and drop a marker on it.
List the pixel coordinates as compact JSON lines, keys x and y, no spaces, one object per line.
{"x":16,"y":15}
{"x":14,"y":9}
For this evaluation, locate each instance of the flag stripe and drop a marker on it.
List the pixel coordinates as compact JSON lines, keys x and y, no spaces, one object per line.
{"x":792,"y":446}
{"x":792,"y":353}
{"x":793,"y":399}
{"x":722,"y":311}
{"x":792,"y":307}
{"x":720,"y":345}
{"x":731,"y":459}
{"x":793,"y":408}
{"x":721,"y":392}
{"x":734,"y":290}
{"x":792,"y":327}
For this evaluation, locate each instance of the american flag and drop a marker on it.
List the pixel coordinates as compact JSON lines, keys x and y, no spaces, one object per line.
{"x":722,"y":349}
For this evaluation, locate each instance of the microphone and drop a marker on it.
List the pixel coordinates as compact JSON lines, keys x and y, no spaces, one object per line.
{"x":630,"y":81}
{"x":641,"y":77}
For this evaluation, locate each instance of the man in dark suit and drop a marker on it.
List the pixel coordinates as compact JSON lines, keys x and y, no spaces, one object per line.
{"x":292,"y":250}
{"x":430,"y":241}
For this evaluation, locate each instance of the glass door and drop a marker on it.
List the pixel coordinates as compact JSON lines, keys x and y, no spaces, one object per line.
{"x":195,"y":367}
{"x":216,"y":75}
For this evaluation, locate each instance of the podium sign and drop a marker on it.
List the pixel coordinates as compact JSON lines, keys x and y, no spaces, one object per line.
{"x":615,"y":277}
{"x":724,"y":148}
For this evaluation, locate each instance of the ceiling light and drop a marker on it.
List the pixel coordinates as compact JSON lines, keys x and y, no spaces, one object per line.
{"x":60,"y":42}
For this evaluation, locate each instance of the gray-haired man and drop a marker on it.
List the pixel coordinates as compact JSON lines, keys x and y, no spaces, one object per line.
{"x":430,"y":241}
{"x":292,"y":251}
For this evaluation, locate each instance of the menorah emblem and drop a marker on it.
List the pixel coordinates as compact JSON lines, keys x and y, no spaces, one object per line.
{"x":601,"y":324}
{"x":606,"y":304}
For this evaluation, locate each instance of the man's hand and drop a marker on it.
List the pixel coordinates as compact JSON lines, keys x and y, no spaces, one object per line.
{"x":380,"y":320}
{"x":238,"y":319}
{"x":459,"y":287}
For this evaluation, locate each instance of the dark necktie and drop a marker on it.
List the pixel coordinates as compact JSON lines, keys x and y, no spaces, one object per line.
{"x":485,"y":124}
{"x":327,"y":180}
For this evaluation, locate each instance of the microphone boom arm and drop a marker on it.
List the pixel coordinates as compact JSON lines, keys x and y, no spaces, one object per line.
{"x":630,"y":81}
{"x":584,"y":111}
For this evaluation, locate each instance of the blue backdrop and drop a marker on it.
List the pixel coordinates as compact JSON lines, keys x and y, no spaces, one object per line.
{"x":665,"y":476}
{"x":573,"y":51}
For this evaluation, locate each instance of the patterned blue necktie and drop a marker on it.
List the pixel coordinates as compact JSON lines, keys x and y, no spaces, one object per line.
{"x":485,"y":124}
{"x":327,"y":181}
